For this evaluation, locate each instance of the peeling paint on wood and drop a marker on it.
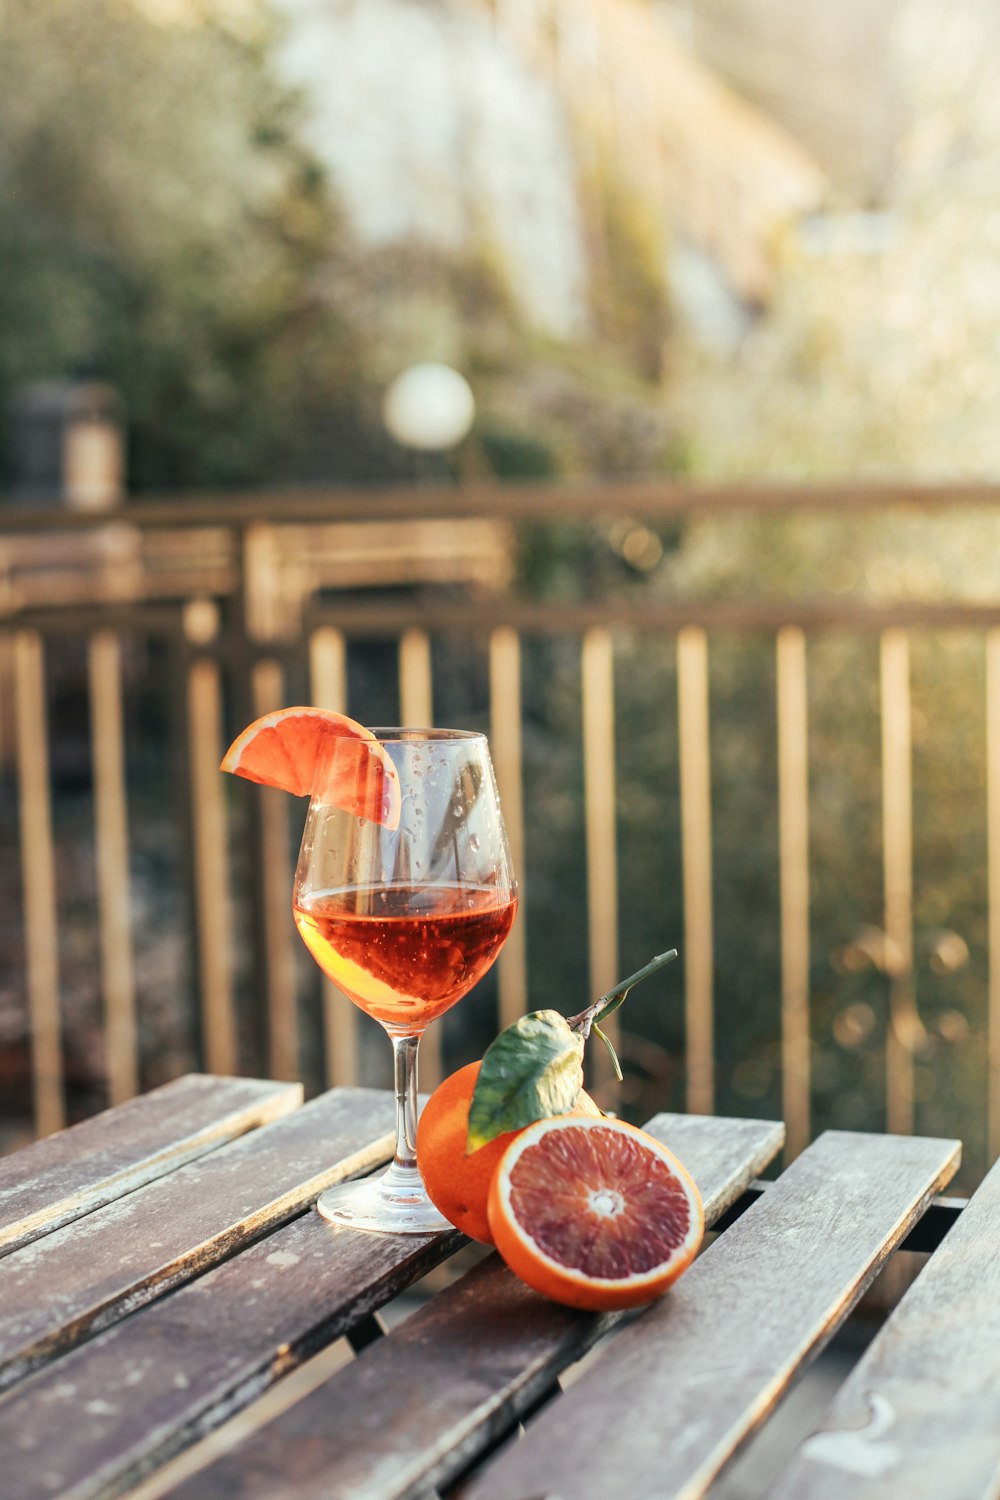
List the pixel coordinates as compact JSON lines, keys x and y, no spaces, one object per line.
{"x":417,"y":1405}
{"x":87,"y":1275}
{"x":680,"y":1388}
{"x":70,"y":1174}
{"x":140,"y":1392}
{"x":920,"y":1413}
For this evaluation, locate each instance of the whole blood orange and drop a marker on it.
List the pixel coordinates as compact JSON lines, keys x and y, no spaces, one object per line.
{"x":459,"y":1184}
{"x":284,"y":749}
{"x":594,"y":1213}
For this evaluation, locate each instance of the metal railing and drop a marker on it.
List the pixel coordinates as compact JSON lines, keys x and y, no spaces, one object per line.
{"x":245,"y":616}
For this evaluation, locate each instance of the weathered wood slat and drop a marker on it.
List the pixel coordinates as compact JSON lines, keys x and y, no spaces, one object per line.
{"x":78,"y":1170}
{"x":85,"y":1276}
{"x":920,"y":1413}
{"x":680,"y":1388}
{"x":414,"y":1408}
{"x":138,"y":1393}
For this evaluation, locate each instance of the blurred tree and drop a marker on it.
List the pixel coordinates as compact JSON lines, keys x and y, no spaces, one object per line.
{"x":879,"y":355}
{"x":163,"y":227}
{"x":877,"y":358}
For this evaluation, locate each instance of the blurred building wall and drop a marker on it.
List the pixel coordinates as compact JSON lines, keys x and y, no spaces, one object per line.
{"x":435,"y":131}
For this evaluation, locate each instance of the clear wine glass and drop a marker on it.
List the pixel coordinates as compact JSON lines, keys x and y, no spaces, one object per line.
{"x":405,"y":921}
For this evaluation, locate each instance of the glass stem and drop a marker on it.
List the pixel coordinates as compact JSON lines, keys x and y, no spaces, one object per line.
{"x":404,"y":1056}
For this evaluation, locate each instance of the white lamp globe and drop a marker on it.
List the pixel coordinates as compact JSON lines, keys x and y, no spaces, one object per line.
{"x":430,"y":407}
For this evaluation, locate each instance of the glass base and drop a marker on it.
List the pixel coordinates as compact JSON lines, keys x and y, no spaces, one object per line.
{"x":394,"y":1202}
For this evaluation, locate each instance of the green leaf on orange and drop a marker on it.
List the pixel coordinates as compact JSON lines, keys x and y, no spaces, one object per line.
{"x":533,"y":1070}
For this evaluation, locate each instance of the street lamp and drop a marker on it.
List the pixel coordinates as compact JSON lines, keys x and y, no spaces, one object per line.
{"x":429,"y":407}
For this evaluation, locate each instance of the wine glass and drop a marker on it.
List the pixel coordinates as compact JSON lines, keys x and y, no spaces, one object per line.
{"x":405,"y":920}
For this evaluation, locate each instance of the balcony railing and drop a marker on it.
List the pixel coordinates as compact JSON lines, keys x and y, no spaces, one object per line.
{"x":166,"y":626}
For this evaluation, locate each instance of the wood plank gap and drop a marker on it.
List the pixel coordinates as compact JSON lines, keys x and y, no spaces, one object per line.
{"x":84,"y":1277}
{"x":417,"y":1407}
{"x":690,"y":1379}
{"x":81,"y":1169}
{"x":138,"y":1394}
{"x":919,"y":1415}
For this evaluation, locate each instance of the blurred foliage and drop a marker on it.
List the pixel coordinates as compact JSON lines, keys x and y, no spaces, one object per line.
{"x":162,"y":227}
{"x":630,"y":304}
{"x":877,"y":358}
{"x":879,"y":354}
{"x":165,"y":228}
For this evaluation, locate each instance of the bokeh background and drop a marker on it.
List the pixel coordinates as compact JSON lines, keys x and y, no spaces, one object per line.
{"x":697,"y":247}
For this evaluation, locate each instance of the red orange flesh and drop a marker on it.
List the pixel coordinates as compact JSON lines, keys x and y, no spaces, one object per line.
{"x":594,"y":1213}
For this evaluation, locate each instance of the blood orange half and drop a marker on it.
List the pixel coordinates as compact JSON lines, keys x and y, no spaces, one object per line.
{"x":594,"y":1213}
{"x":457,"y":1182}
{"x":285,"y":748}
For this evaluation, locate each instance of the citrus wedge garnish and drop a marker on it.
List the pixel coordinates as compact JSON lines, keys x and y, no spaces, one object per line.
{"x":593,"y":1212}
{"x":285,"y":749}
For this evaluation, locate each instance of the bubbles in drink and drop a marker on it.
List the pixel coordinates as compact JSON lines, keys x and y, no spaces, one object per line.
{"x":474,"y":842}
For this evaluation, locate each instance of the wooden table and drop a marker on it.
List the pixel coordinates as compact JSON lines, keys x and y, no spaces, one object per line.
{"x":161,"y":1269}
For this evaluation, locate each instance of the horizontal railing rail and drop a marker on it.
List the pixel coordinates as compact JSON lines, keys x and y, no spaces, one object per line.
{"x":561,"y":501}
{"x":275,"y":628}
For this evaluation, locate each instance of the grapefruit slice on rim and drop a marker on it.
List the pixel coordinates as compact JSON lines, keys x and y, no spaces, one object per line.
{"x":284,"y":749}
{"x":593,"y":1212}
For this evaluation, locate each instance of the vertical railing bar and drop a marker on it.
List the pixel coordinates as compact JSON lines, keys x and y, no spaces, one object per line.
{"x":505,"y":747}
{"x":993,"y":885}
{"x":113,"y":886}
{"x":8,"y":729}
{"x":897,"y":857}
{"x":696,"y":858}
{"x":416,"y":688}
{"x":41,"y":935}
{"x":211,"y":867}
{"x":597,"y":683}
{"x":328,"y":683}
{"x":793,"y":838}
{"x":416,"y":708}
{"x":267,"y":687}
